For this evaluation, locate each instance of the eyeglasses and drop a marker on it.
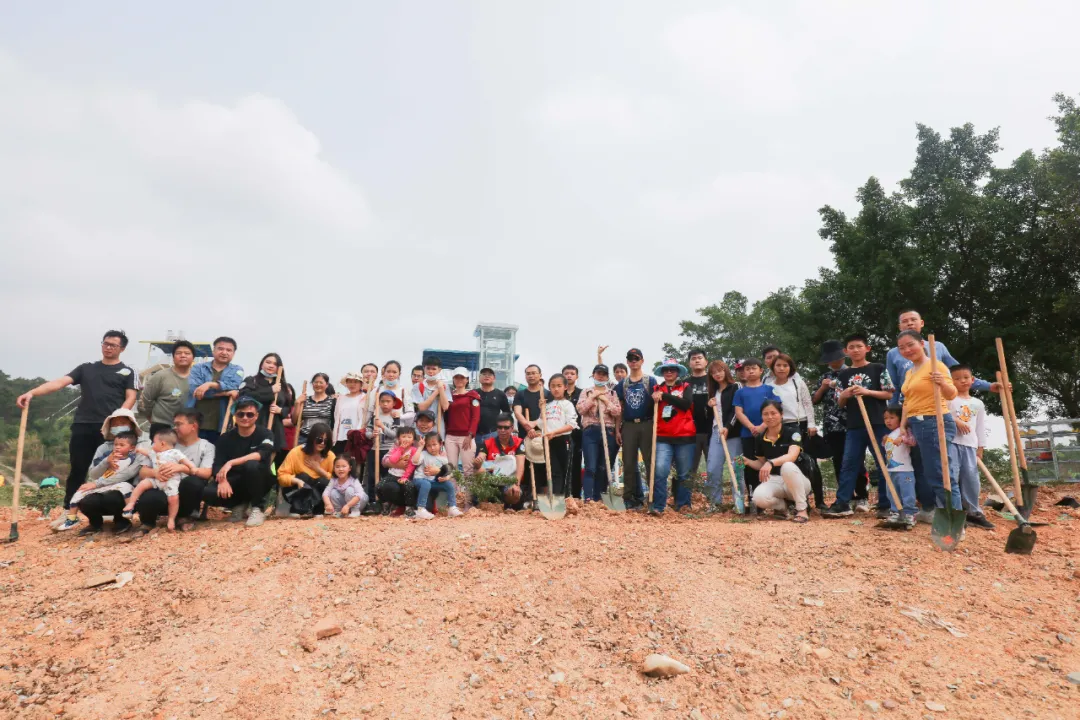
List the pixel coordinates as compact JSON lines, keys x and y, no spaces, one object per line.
{"x":247,"y":414}
{"x":110,"y":346}
{"x":504,"y":427}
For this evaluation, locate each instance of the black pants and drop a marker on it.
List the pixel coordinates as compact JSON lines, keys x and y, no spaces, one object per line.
{"x":250,"y":482}
{"x":835,"y":441}
{"x":392,"y":492}
{"x":637,"y":437}
{"x":372,"y":476}
{"x":559,"y":449}
{"x":153,"y":503}
{"x":84,"y":441}
{"x":574,"y":465}
{"x":701,"y":450}
{"x":339,"y":447}
{"x":96,"y":505}
{"x":308,"y":498}
{"x":155,"y":428}
{"x":750,"y":475}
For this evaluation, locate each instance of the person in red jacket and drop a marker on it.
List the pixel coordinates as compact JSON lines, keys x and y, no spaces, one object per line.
{"x":675,"y":437}
{"x":462,"y":419}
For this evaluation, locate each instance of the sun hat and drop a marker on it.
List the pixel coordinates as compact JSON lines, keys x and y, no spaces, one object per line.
{"x":352,"y":376}
{"x":672,"y":364}
{"x":106,"y":431}
{"x":534,"y":450}
{"x":831,"y":351}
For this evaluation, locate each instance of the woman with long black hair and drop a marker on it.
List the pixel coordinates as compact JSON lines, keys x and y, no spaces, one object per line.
{"x":307,"y":471}
{"x":725,"y":428}
{"x":274,"y":405}
{"x":315,"y":408}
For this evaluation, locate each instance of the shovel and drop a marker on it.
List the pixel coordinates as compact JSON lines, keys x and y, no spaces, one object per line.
{"x":736,"y":485}
{"x":900,"y":524}
{"x":652,"y":470}
{"x":948,"y":522}
{"x":552,"y":506}
{"x":277,"y":390}
{"x":1022,"y":538}
{"x":228,"y":416}
{"x":17,"y":480}
{"x":299,"y":414}
{"x":610,"y":499}
{"x":1028,"y":493}
{"x":532,"y":466}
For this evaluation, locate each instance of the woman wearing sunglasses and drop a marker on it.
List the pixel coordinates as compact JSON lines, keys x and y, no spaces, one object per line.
{"x":307,"y":471}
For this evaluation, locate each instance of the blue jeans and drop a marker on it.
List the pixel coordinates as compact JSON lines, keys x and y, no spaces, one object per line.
{"x":425,"y":485}
{"x":923,"y":492}
{"x":595,"y":478}
{"x":969,"y":479}
{"x":924,"y":428}
{"x":904,"y":481}
{"x":683,"y":456}
{"x":856,"y":443}
{"x":715,"y":465}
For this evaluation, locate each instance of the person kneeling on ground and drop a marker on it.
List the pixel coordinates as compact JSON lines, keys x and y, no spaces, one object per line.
{"x":397,"y":491}
{"x":505,"y":444}
{"x":164,"y":451}
{"x":307,"y":471}
{"x":433,"y":474}
{"x":776,"y":452}
{"x":242,"y":456}
{"x":343,"y":495}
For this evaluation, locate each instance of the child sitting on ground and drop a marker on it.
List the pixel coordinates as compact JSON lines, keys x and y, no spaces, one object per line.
{"x":122,"y":455}
{"x":395,"y":492}
{"x":163,"y":451}
{"x":896,"y":447}
{"x":344,"y":496}
{"x":434,"y":474}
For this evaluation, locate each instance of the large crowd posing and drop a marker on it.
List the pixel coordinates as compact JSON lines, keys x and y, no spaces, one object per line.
{"x":384,"y":444}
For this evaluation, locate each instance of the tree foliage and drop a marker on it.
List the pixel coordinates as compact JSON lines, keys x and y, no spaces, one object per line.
{"x":981,"y":251}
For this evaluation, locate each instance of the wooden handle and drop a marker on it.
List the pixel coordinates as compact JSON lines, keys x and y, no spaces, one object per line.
{"x":997,"y":488}
{"x":1006,"y":415}
{"x":17,"y":480}
{"x":228,"y":415}
{"x":877,"y":454}
{"x":532,"y":466}
{"x":943,"y":451}
{"x":652,"y":470}
{"x":1007,"y":387}
{"x":300,"y":414}
{"x":277,"y":390}
{"x":603,"y":436}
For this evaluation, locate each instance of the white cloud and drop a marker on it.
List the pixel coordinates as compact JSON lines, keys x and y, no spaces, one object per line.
{"x":601,"y":111}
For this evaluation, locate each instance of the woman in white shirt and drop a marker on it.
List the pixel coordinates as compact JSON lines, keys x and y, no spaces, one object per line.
{"x":798,"y":404}
{"x":348,"y":410}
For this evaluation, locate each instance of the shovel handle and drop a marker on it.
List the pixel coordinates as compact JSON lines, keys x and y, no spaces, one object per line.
{"x":277,"y":390}
{"x":603,"y":436}
{"x":17,"y":480}
{"x":300,"y":415}
{"x":997,"y":488}
{"x":727,"y":458}
{"x":877,"y":454}
{"x":652,"y":470}
{"x":1006,"y":386}
{"x":547,"y":448}
{"x":943,"y":451}
{"x":532,"y":466}
{"x":1006,"y":414}
{"x":228,"y":415}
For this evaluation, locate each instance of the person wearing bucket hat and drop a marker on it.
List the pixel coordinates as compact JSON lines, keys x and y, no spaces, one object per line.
{"x":462,"y":419}
{"x":348,"y":410}
{"x":675,"y":437}
{"x":106,"y":385}
{"x":593,"y":401}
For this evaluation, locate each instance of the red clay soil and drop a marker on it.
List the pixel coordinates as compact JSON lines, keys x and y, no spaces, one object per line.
{"x":502,"y":616}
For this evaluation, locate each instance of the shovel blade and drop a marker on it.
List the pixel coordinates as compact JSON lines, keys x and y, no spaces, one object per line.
{"x":552,"y":508}
{"x":1029,"y":495}
{"x":613,"y":502}
{"x":947,"y":526}
{"x":1021,"y":540}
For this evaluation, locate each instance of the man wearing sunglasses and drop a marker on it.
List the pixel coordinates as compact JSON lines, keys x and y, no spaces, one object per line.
{"x":106,"y":385}
{"x":241,"y":473}
{"x":505,"y":443}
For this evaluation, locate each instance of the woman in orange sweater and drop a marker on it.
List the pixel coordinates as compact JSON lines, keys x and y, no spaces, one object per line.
{"x":307,"y":471}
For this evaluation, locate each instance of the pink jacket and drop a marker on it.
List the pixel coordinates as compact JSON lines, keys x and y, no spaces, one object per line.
{"x":394,"y":456}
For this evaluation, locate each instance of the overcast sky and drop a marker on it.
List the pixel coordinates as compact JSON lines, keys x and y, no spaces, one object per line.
{"x":346,"y":181}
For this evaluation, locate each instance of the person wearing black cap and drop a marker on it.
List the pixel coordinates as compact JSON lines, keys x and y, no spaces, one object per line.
{"x":493,"y":403}
{"x":635,"y":427}
{"x":703,"y":413}
{"x":595,"y":400}
{"x":573,"y":394}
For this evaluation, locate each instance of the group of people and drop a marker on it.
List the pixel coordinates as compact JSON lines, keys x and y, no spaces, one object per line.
{"x":216,"y":437}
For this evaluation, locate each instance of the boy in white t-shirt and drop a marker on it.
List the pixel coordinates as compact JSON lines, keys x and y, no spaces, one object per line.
{"x":896,"y":446}
{"x":970,"y":416}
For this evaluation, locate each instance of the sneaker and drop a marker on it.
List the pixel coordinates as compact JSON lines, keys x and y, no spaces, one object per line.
{"x":68,"y":524}
{"x":354,"y":513}
{"x":88,"y":530}
{"x":454,"y":512}
{"x":862,"y":506}
{"x":423,"y":514}
{"x":238,"y":513}
{"x":979,"y":520}
{"x":909,"y":522}
{"x":885,"y":514}
{"x":892,"y":518}
{"x":122,"y":526}
{"x":256,"y":518}
{"x":837,"y":510}
{"x":925,"y":516}
{"x":655,"y":513}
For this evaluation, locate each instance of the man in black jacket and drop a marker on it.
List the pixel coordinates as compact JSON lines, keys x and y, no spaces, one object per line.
{"x":241,"y":472}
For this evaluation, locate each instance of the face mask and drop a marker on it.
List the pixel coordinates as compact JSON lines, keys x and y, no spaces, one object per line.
{"x":600,"y":383}
{"x":390,"y":383}
{"x":267,"y":374}
{"x":117,"y":429}
{"x":431,"y":379}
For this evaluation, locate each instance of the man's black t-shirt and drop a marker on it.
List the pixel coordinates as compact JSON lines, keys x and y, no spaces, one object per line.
{"x":573,"y":396}
{"x":770,"y":450}
{"x":492,"y":402}
{"x":103,"y":388}
{"x":699,"y":389}
{"x":870,"y":376}
{"x":233,"y":445}
{"x":529,"y":400}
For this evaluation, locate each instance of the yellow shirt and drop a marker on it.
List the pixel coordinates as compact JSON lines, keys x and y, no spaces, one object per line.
{"x":918,"y":389}
{"x":294,"y":465}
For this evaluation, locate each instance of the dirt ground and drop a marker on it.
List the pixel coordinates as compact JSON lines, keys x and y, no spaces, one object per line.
{"x":501,"y":616}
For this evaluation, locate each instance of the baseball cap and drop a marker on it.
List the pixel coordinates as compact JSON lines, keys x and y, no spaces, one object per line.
{"x":634,"y":354}
{"x":600,"y":369}
{"x":426,"y":414}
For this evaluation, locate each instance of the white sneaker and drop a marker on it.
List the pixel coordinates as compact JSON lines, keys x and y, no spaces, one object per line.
{"x":354,"y":513}
{"x":256,"y":518}
{"x":862,"y":506}
{"x":423,"y":514}
{"x":925,"y":516}
{"x":454,"y":512}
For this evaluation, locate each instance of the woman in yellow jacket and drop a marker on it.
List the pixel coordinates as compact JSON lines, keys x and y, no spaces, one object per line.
{"x":306,"y":472}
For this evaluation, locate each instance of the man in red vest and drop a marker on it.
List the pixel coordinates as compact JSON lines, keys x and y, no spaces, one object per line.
{"x":506,"y":443}
{"x":675,"y":436}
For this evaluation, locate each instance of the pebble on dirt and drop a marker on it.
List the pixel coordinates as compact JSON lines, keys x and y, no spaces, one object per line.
{"x":662,"y":666}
